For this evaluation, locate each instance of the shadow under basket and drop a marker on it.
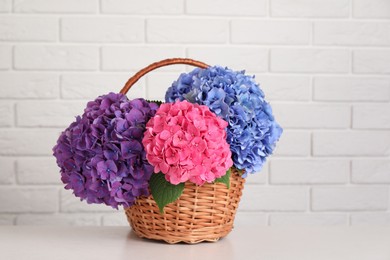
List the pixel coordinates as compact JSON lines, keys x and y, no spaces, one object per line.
{"x":202,"y":213}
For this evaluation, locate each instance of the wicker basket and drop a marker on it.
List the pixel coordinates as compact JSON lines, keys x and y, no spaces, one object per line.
{"x":202,"y":213}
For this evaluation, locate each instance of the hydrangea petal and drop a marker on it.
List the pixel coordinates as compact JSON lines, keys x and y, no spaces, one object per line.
{"x":185,"y":144}
{"x":100,"y":154}
{"x":238,"y":99}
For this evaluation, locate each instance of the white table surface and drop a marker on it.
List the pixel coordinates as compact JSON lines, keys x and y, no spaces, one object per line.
{"x":111,"y":243}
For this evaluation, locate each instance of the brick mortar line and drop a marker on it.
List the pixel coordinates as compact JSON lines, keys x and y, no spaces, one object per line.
{"x":193,"y":16}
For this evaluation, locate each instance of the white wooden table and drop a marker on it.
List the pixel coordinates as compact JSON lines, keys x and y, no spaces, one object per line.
{"x":111,"y":243}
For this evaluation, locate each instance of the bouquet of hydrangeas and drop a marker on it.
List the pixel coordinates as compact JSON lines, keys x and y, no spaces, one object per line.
{"x":213,"y":120}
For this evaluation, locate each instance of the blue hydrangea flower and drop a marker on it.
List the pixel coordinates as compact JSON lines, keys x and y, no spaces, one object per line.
{"x":252,"y":131}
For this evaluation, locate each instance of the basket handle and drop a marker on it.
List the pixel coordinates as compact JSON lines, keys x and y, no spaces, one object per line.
{"x":159,"y":64}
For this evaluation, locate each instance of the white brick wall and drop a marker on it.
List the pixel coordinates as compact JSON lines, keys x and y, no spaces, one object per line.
{"x":232,"y":56}
{"x":85,"y":29}
{"x":303,"y":171}
{"x":323,"y":65}
{"x":308,"y":60}
{"x":370,"y":171}
{"x":362,"y":116}
{"x":371,"y":9}
{"x":234,"y":7}
{"x":350,"y":198}
{"x":6,"y":114}
{"x":332,"y":116}
{"x":25,"y":199}
{"x":47,"y":113}
{"x":29,"y":85}
{"x":56,"y":57}
{"x":274,"y":198}
{"x":55,"y":6}
{"x":170,"y":30}
{"x":351,"y":143}
{"x":7,"y":171}
{"x":36,"y":170}
{"x":270,"y":32}
{"x":310,"y":8}
{"x":294,"y":143}
{"x":136,"y":56}
{"x":286,"y":88}
{"x":6,"y":57}
{"x":156,"y":7}
{"x":24,"y":141}
{"x":86,"y":85}
{"x":19,"y":28}
{"x":371,"y":61}
{"x":365,"y":89}
{"x":5,"y":6}
{"x":352,"y":33}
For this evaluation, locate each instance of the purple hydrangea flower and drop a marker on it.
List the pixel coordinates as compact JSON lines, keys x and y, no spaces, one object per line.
{"x":252,"y":131}
{"x":101,"y":155}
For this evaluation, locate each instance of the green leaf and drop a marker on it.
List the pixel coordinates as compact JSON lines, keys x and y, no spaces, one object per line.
{"x":164,"y":192}
{"x":225,"y":179}
{"x":158,"y":102}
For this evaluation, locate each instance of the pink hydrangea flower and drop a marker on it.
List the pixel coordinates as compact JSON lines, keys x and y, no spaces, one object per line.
{"x":187,"y":142}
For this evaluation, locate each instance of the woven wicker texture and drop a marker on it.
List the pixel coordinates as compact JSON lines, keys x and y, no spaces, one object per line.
{"x":202,"y":213}
{"x":159,"y":64}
